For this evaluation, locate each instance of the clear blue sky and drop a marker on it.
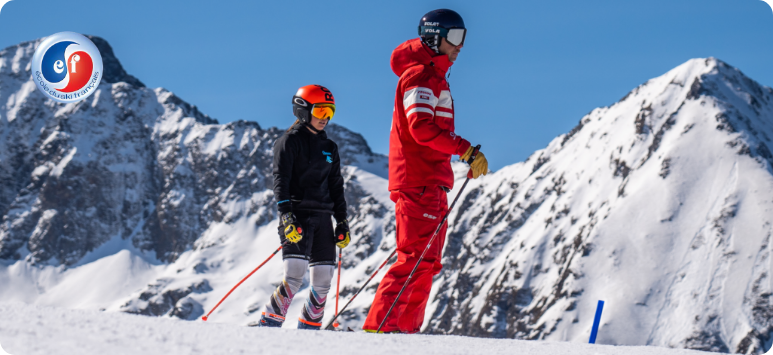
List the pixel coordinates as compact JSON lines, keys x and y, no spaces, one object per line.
{"x":528,"y":72}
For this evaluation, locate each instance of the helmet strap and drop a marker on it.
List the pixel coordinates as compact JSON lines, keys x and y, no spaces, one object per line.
{"x":304,"y":116}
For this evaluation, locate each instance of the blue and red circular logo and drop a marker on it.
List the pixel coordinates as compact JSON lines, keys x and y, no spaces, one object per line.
{"x":67,"y":67}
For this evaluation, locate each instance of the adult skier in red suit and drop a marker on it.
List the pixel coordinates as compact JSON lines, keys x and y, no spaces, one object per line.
{"x":422,"y":141}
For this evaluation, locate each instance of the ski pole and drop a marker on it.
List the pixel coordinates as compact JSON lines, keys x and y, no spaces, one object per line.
{"x":327,"y":327}
{"x":338,"y":286}
{"x":204,"y":318}
{"x":437,"y":230}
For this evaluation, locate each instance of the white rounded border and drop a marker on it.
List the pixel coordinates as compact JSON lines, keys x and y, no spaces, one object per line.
{"x":42,"y":83}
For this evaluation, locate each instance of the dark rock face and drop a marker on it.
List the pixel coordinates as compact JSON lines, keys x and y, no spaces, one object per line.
{"x":72,"y":177}
{"x":155,"y":300}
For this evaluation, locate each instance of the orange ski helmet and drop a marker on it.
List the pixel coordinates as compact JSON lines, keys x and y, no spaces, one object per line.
{"x":314,"y":100}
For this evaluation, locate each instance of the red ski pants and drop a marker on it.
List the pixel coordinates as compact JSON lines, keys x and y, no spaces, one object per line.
{"x":418,"y":212}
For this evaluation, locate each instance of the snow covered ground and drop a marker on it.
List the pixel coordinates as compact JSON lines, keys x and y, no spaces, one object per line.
{"x":33,"y":329}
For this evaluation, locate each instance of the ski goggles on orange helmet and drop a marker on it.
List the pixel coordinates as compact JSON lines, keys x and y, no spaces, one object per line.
{"x":454,"y":36}
{"x":323,"y":111}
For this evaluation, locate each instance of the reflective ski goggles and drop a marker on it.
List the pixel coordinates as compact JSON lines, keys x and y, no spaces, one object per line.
{"x":323,"y":111}
{"x":454,"y":36}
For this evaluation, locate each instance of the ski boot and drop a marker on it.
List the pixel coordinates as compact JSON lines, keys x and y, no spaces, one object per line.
{"x":306,"y":325}
{"x":270,"y":321}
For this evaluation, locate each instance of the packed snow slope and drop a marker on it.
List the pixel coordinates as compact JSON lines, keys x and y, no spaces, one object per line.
{"x":661,"y":205}
{"x":134,"y":201}
{"x":39,"y":330}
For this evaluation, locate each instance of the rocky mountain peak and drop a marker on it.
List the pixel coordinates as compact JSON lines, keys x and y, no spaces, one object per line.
{"x":654,"y":106}
{"x":114,"y":71}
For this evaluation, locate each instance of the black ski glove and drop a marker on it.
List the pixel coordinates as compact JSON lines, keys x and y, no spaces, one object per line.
{"x":342,"y":234}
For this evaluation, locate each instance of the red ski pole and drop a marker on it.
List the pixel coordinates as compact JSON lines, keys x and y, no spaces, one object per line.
{"x":204,"y":318}
{"x":338,"y":287}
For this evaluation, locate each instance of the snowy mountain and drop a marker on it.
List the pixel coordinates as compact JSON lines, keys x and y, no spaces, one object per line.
{"x":660,"y":204}
{"x":119,"y":193}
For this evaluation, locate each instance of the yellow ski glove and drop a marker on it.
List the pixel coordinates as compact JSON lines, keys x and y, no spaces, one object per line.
{"x":479,"y":165}
{"x":293,"y":233}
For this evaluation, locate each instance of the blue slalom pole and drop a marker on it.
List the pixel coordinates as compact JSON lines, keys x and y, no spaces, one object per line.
{"x":596,"y":321}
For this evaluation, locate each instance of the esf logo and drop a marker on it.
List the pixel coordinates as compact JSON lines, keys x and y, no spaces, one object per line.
{"x":67,"y":67}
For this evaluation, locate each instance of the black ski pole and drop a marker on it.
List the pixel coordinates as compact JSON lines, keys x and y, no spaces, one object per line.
{"x":437,"y":230}
{"x":328,"y":326}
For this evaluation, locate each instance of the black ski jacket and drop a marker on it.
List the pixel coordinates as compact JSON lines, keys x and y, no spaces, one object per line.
{"x":307,"y":173}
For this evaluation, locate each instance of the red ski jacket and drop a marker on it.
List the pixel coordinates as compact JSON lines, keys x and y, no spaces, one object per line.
{"x":422,"y":139}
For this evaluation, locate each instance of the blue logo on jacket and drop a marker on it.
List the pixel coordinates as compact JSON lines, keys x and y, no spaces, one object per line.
{"x":328,"y":157}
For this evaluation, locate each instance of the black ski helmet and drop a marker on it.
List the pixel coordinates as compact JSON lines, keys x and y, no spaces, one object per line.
{"x":438,"y":24}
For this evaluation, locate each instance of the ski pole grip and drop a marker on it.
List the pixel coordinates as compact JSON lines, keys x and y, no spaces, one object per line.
{"x":474,"y":154}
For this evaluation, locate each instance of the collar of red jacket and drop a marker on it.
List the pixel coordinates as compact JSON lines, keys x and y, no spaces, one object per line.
{"x":413,"y":52}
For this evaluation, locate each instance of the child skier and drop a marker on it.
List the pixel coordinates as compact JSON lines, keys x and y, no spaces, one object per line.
{"x":309,"y":189}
